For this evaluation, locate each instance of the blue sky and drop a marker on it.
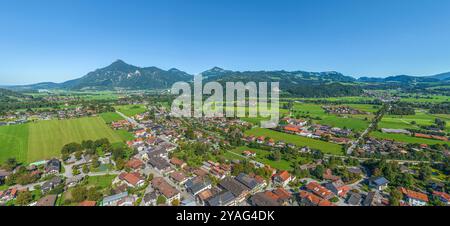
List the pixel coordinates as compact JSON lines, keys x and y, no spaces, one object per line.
{"x":57,"y":40}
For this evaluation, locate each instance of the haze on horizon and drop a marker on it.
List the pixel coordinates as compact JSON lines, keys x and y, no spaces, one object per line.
{"x":51,"y":40}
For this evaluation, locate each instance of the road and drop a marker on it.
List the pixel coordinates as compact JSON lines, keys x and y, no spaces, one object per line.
{"x":139,"y":125}
{"x":360,"y":139}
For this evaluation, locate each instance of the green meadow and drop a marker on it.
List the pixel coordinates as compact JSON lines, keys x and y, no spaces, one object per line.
{"x":263,"y":157}
{"x":404,"y":121}
{"x":110,"y":117}
{"x":354,"y":122}
{"x":325,"y":147}
{"x":131,"y":110}
{"x":44,"y":139}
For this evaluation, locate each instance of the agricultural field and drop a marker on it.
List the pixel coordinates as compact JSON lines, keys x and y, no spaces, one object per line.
{"x":426,"y":99}
{"x":14,"y":142}
{"x":355,"y":122}
{"x":404,"y":121}
{"x":325,"y":147}
{"x":405,"y":138}
{"x":339,"y":99}
{"x":131,"y":110}
{"x":44,"y":139}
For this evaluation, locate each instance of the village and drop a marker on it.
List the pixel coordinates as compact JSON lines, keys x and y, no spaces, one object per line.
{"x":191,"y":162}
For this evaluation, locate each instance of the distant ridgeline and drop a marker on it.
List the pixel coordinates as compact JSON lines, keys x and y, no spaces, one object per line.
{"x":120,"y":75}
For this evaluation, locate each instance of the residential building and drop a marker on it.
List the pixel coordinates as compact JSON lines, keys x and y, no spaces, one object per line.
{"x":113,"y":199}
{"x":239,"y":190}
{"x":379,"y":183}
{"x":414,"y":198}
{"x":283,"y":178}
{"x":164,"y":188}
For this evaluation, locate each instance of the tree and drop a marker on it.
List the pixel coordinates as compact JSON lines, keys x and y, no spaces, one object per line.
{"x":85,"y":169}
{"x":79,"y":194}
{"x":318,"y":171}
{"x":93,"y":194}
{"x":161,"y":200}
{"x":10,"y":164}
{"x":425,"y":173}
{"x":24,"y":198}
{"x":276,"y":155}
{"x":175,"y":202}
{"x":150,"y":177}
{"x":395,"y":197}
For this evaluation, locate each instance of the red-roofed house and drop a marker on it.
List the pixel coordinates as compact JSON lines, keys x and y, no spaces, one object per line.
{"x":87,"y":203}
{"x":282,"y":178}
{"x":178,"y":162}
{"x":319,"y":190}
{"x":135,"y":164}
{"x":310,"y":199}
{"x":414,"y":198}
{"x":132,"y":179}
{"x":442,"y":196}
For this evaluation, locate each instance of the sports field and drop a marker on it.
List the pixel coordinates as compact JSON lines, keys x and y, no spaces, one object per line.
{"x":325,"y":147}
{"x":44,"y":139}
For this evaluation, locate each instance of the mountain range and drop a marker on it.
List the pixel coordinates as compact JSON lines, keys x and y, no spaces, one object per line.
{"x":120,"y":75}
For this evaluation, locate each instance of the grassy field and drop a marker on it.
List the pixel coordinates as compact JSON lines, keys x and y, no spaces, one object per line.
{"x":14,"y":142}
{"x":325,"y":147}
{"x":263,"y":157}
{"x":354,"y":122}
{"x":44,"y":139}
{"x":124,"y":135}
{"x":131,"y":110}
{"x":404,"y":121}
{"x":101,"y":182}
{"x":405,"y":138}
{"x":111,"y":117}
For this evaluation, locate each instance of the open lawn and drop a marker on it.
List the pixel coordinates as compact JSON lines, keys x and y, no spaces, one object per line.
{"x":131,"y":110}
{"x":44,"y":139}
{"x":263,"y":157}
{"x":101,"y":182}
{"x":325,"y":147}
